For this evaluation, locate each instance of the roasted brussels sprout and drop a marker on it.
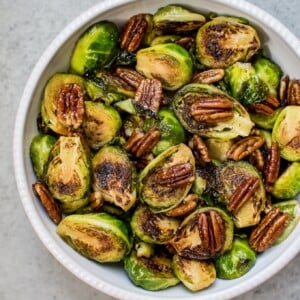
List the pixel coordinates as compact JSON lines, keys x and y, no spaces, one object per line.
{"x":151,"y":273}
{"x":286,"y":132}
{"x":98,"y":236}
{"x":96,"y":48}
{"x":237,"y":261}
{"x":74,"y":206}
{"x":165,"y":39}
{"x":40,"y":148}
{"x":173,"y":19}
{"x":170,"y":63}
{"x":192,"y":94}
{"x":167,"y":179}
{"x":144,"y":249}
{"x":218,"y":149}
{"x":153,"y":228}
{"x":101,"y":124}
{"x":287,"y":186}
{"x":68,"y":173}
{"x":225,"y":40}
{"x":199,"y":185}
{"x":114,"y":176}
{"x":263,"y":121}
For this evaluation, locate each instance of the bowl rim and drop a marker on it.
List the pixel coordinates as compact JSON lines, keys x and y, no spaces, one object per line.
{"x":19,"y":162}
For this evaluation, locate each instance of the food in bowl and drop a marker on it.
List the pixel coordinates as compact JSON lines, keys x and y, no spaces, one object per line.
{"x":169,"y":146}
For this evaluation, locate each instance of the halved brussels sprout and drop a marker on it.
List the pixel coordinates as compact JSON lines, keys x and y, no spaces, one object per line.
{"x":237,"y":261}
{"x":101,"y":124}
{"x":114,"y":176}
{"x":96,"y":48}
{"x":218,"y":148}
{"x":40,"y":148}
{"x":286,"y":133}
{"x":206,"y":233}
{"x":98,"y":236}
{"x":152,"y":191}
{"x":263,"y":121}
{"x":153,"y":228}
{"x":50,"y":98}
{"x":230,"y":176}
{"x":68,"y":173}
{"x":240,"y":124}
{"x":73,"y":206}
{"x":165,"y":39}
{"x":287,"y":186}
{"x":194,"y":274}
{"x":151,"y":273}
{"x":224,"y":41}
{"x":170,"y":63}
{"x":176,"y":19}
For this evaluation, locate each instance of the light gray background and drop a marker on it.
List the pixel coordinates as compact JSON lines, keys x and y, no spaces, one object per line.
{"x":27,"y":270}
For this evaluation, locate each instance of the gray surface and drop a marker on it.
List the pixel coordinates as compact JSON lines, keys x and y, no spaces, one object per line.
{"x":27,"y":270}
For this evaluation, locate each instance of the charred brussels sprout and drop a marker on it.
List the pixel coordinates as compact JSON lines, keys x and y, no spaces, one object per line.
{"x":101,"y":124}
{"x":153,"y":228}
{"x":263,"y":121}
{"x":237,"y":261}
{"x":98,"y":236}
{"x":167,"y":179}
{"x":286,"y":133}
{"x":194,"y":274}
{"x":170,"y":63}
{"x":151,"y":273}
{"x":192,"y":94}
{"x":114,"y":176}
{"x":224,"y":40}
{"x":96,"y":48}
{"x":40,"y":148}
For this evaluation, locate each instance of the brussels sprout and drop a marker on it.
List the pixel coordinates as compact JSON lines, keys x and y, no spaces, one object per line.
{"x":240,"y":124}
{"x":194,"y":274}
{"x":237,"y":261}
{"x":199,"y":236}
{"x":40,"y":148}
{"x":68,"y":173}
{"x":98,"y":236}
{"x":150,"y":33}
{"x":96,"y":48}
{"x":218,"y":148}
{"x":287,"y":186}
{"x":170,"y":63}
{"x":161,"y":197}
{"x":265,"y":122}
{"x":74,"y":206}
{"x":114,"y":176}
{"x":153,"y":273}
{"x":165,"y":39}
{"x":101,"y":124}
{"x":224,"y":40}
{"x":176,"y":19}
{"x":153,"y":228}
{"x":199,"y":185}
{"x":50,"y":97}
{"x":126,"y":106}
{"x":292,"y":207}
{"x":230,"y":176}
{"x":144,"y":249}
{"x":286,"y":133}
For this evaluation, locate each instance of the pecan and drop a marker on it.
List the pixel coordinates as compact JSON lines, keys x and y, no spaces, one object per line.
{"x":184,"y":208}
{"x":212,"y":110}
{"x":47,"y":201}
{"x":149,"y":95}
{"x":200,"y":149}
{"x":255,"y":131}
{"x":95,"y":200}
{"x":130,"y":76}
{"x":176,"y":176}
{"x":293,"y":92}
{"x":242,"y":194}
{"x":266,"y":107}
{"x":282,"y":91}
{"x":209,"y":76}
{"x":186,"y":42}
{"x":272,"y":167}
{"x":140,"y":144}
{"x":256,"y":158}
{"x":70,"y":106}
{"x":245,"y":147}
{"x":268,"y":230}
{"x":133,"y":33}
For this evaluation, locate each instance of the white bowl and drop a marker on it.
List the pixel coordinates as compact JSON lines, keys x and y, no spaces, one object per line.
{"x":110,"y":279}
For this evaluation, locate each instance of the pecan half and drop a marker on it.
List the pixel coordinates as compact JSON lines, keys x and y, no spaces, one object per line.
{"x":133,"y":33}
{"x":96,"y":200}
{"x":256,"y":158}
{"x":186,"y":42}
{"x":245,"y":147}
{"x":293,"y":92}
{"x":200,"y":149}
{"x":266,"y":107}
{"x":130,"y":76}
{"x":209,"y":76}
{"x":272,"y":167}
{"x":176,"y":176}
{"x":47,"y":201}
{"x":140,"y":144}
{"x":70,"y":106}
{"x":268,"y":230}
{"x":212,"y":110}
{"x":185,"y":207}
{"x":282,"y":90}
{"x":242,"y":194}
